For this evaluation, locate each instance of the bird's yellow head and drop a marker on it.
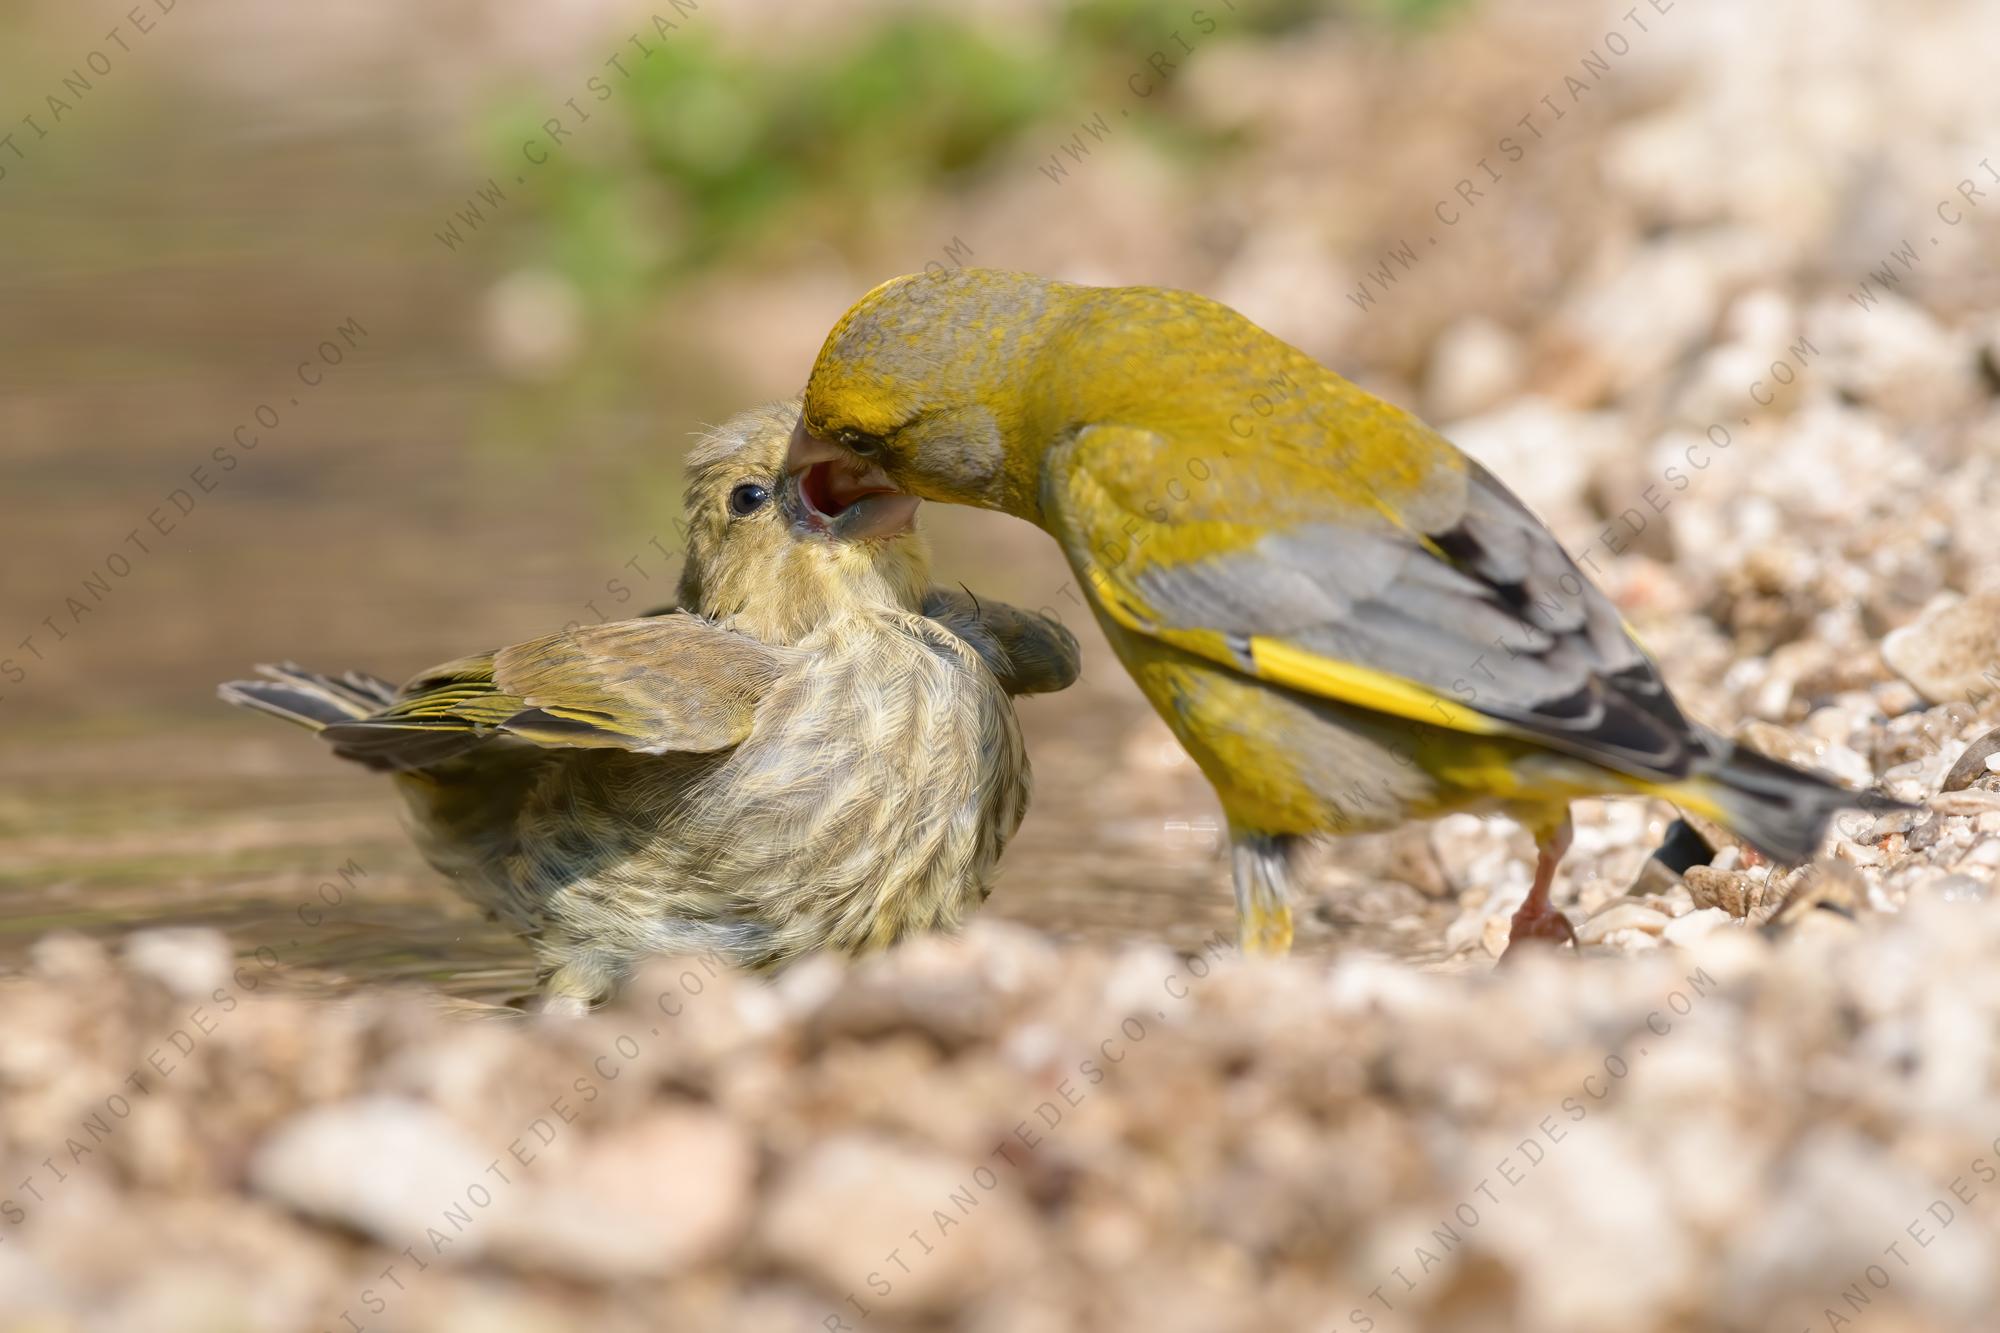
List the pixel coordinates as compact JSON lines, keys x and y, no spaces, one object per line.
{"x":918,"y":387}
{"x":761,"y":557}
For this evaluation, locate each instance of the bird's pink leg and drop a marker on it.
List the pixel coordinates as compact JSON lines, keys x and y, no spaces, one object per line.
{"x":1536,"y":919}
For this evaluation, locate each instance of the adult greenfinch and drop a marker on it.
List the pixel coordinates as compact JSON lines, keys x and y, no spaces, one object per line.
{"x":813,"y":752}
{"x":1346,"y":621}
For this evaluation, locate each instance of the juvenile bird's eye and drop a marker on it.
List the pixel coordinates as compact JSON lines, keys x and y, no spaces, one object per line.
{"x":864,"y":446}
{"x":748,"y":498}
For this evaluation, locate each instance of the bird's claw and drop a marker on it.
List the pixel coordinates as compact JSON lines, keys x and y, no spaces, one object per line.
{"x":1543,"y":925}
{"x":1266,"y":931}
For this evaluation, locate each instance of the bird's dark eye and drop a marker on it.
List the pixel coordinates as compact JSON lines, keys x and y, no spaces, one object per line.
{"x":748,"y":498}
{"x":862,"y":446}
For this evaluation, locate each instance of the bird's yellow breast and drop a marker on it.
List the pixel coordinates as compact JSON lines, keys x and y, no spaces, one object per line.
{"x":1247,"y":740}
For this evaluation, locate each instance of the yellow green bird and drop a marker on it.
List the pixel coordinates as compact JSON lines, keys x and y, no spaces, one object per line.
{"x":1345,"y":620}
{"x":813,"y":752}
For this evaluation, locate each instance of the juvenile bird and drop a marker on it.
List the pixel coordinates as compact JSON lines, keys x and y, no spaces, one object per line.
{"x":814,"y":752}
{"x":1345,"y":620}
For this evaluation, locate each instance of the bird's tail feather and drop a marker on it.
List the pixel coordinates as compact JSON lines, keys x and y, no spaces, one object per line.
{"x":1780,"y":810}
{"x":311,"y":700}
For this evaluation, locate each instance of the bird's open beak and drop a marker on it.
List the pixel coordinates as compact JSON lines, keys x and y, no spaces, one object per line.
{"x":841,"y":495}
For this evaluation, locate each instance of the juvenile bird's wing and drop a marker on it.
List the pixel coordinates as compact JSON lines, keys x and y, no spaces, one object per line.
{"x":669,"y":683}
{"x":1444,"y":601}
{"x":1028,"y":652}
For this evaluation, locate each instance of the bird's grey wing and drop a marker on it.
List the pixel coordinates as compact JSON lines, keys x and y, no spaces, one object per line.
{"x":1028,"y":652}
{"x":1462,"y":610}
{"x":668,"y":683}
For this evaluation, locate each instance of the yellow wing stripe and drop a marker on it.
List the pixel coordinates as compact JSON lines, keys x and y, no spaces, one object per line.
{"x":1690,"y":794}
{"x":1283,"y":664}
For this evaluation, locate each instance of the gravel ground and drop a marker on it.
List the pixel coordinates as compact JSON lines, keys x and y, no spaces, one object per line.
{"x":1730,"y":329}
{"x":992,"y":1133}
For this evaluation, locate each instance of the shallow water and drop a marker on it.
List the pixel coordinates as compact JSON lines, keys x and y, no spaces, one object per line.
{"x":244,"y":825}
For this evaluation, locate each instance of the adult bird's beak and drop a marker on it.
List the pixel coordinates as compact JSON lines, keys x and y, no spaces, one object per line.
{"x":841,"y":495}
{"x":807,"y":449}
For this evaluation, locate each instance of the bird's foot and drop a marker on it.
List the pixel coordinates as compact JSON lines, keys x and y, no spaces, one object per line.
{"x":1265,"y":931}
{"x":1537,"y":919}
{"x":1263,"y":909}
{"x":1537,"y":924}
{"x":574,"y":988}
{"x":559,"y":1006}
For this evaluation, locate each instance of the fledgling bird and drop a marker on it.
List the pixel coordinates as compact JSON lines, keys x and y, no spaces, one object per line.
{"x":1346,"y":621}
{"x":813,"y":752}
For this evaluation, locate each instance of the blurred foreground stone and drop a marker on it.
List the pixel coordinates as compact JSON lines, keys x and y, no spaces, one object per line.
{"x":996,"y":1134}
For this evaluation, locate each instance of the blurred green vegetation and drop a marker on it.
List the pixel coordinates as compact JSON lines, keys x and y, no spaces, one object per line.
{"x":714,"y":154}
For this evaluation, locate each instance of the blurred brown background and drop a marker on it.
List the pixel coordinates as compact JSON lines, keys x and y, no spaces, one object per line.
{"x":1711,"y":284}
{"x":545,"y":245}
